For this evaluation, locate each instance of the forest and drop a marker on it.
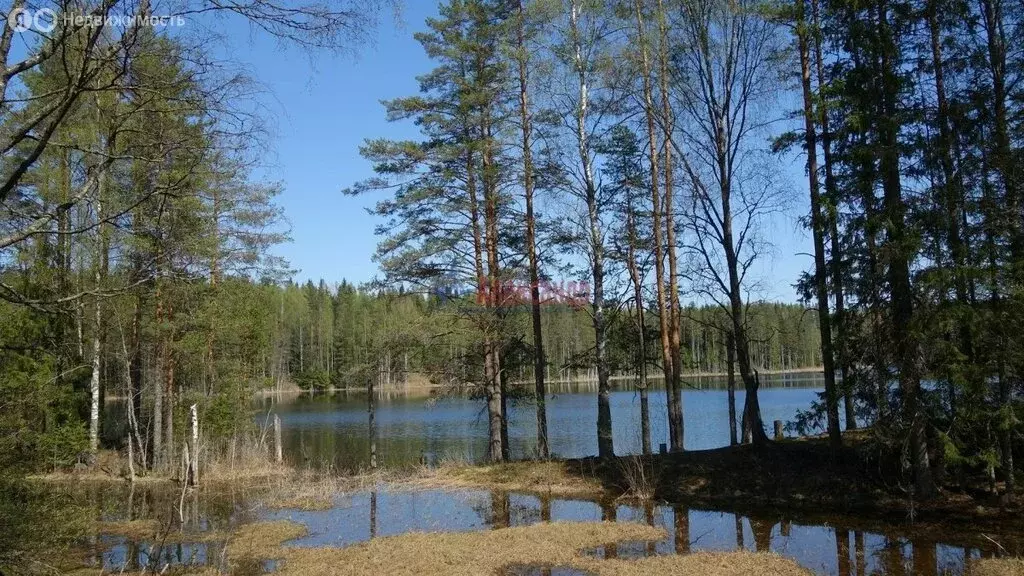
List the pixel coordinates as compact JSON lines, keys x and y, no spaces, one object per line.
{"x":634,"y":148}
{"x":338,"y":337}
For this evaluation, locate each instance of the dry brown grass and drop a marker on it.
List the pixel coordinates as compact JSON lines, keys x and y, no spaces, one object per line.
{"x":640,"y":476}
{"x":133,"y":529}
{"x":489,"y":552}
{"x":301,"y":491}
{"x":310,"y":489}
{"x":998,"y":567}
{"x":471,"y":553}
{"x":247,"y":460}
{"x":536,"y":477}
{"x":263,"y":539}
{"x":281,"y":486}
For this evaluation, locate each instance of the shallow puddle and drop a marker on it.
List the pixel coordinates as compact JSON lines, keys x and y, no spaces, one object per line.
{"x":119,"y":551}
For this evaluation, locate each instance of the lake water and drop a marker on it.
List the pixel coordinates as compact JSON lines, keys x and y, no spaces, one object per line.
{"x":330,"y":430}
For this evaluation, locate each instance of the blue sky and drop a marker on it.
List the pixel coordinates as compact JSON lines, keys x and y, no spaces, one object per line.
{"x":322,"y":110}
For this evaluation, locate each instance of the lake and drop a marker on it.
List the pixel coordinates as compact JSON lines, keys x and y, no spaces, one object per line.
{"x":330,"y":429}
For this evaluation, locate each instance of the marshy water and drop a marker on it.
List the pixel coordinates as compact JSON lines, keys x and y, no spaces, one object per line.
{"x":330,"y":429}
{"x":831,"y":545}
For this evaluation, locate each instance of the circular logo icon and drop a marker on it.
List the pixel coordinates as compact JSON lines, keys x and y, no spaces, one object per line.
{"x":45,"y":20}
{"x":19,"y":19}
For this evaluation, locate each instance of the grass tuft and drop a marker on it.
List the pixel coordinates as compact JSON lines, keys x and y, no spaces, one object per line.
{"x":543,"y":477}
{"x":998,"y":567}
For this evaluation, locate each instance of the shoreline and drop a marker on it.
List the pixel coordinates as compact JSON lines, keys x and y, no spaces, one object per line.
{"x":796,"y":476}
{"x":293,"y":389}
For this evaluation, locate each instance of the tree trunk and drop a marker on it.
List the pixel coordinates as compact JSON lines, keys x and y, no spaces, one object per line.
{"x":951,"y":195}
{"x":675,"y":317}
{"x":634,"y":276}
{"x":526,"y":120}
{"x":832,"y":201}
{"x":481,"y":250}
{"x":605,"y":446}
{"x":279,"y":447}
{"x":659,"y":264}
{"x":730,"y":353}
{"x":495,"y":396}
{"x":901,"y":294}
{"x":506,"y":450}
{"x":818,"y":233}
{"x":1002,"y":160}
{"x":94,"y":381}
{"x":751,"y":407}
{"x":371,"y":410}
{"x":169,"y":399}
{"x":157,"y":456}
{"x":193,"y":479}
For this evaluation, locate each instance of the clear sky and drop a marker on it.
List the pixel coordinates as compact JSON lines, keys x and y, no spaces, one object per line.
{"x":324,"y":108}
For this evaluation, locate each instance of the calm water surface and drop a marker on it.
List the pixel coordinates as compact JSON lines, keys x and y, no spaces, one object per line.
{"x":841,"y":545}
{"x":330,"y":430}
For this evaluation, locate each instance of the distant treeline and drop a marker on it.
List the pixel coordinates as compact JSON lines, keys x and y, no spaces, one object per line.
{"x":337,"y":336}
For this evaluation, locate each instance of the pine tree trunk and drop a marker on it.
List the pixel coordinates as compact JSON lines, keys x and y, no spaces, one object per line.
{"x":495,"y":395}
{"x":659,"y":263}
{"x":1006,"y":435}
{"x":539,"y":361}
{"x":901,"y":295}
{"x":832,"y":201}
{"x":951,"y":194}
{"x":675,"y":317}
{"x":1003,"y":163}
{"x":818,"y":233}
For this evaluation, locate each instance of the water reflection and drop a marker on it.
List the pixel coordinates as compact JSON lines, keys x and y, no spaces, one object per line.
{"x":164,"y":528}
{"x":839,"y":545}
